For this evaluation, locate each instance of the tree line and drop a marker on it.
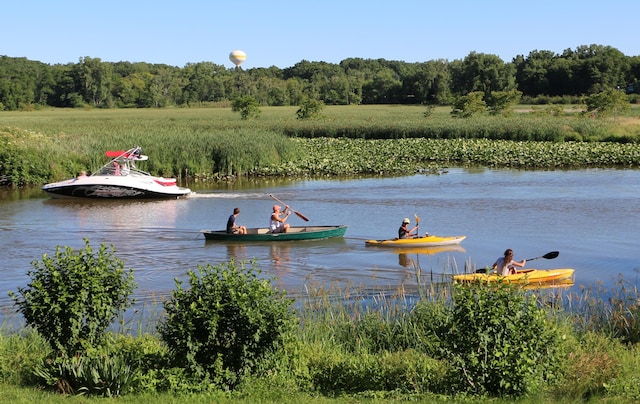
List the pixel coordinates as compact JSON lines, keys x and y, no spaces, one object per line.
{"x":541,"y":77}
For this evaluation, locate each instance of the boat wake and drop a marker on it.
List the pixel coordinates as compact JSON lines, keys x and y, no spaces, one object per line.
{"x":226,"y":195}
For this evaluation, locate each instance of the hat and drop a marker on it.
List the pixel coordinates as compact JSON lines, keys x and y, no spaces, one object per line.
{"x":406,"y":220}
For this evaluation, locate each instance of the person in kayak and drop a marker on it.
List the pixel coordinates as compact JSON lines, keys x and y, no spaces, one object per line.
{"x":505,"y":265}
{"x":404,"y":231}
{"x":232,"y":226}
{"x":278,"y":224}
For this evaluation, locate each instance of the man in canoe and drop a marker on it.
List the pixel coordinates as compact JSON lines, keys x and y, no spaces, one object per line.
{"x":404,"y":231}
{"x":232,"y":226}
{"x":505,"y":265}
{"x":277,"y":224}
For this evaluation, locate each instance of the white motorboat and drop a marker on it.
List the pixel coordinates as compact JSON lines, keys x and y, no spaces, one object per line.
{"x":118,"y":179}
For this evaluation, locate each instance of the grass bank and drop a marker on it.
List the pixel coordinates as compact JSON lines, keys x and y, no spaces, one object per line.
{"x":213,"y":144}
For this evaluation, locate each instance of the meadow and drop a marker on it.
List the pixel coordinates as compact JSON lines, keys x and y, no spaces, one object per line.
{"x":210,"y":144}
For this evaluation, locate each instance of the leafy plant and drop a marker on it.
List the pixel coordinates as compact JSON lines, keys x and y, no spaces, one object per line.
{"x":500,"y":342}
{"x":226,"y":322}
{"x":469,"y":105}
{"x":310,"y":108}
{"x":247,"y":106}
{"x":73,"y":297}
{"x":102,"y":375}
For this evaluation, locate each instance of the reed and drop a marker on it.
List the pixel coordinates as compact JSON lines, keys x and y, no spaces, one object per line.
{"x":214,"y":143}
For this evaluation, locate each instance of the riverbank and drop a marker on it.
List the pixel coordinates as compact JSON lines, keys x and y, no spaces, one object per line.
{"x":215,"y":144}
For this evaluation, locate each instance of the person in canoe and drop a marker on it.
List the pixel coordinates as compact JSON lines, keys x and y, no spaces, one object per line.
{"x":278,"y":219}
{"x":404,"y":231}
{"x":505,"y":265}
{"x":232,"y":226}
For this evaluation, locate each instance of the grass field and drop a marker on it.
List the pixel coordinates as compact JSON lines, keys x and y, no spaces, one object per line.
{"x":214,"y":143}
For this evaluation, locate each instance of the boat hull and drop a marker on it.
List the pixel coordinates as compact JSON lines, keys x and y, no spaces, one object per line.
{"x":525,"y":276}
{"x":428,"y":241}
{"x":263,"y":234}
{"x":114,"y":187}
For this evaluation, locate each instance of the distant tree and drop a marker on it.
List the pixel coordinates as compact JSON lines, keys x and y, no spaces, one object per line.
{"x":498,"y":102}
{"x":468,"y":105}
{"x":607,"y":103}
{"x":247,"y":106}
{"x":482,"y":72}
{"x":310,"y":108}
{"x":94,"y":81}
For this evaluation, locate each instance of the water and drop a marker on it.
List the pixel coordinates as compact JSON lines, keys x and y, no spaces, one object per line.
{"x":590,"y":216}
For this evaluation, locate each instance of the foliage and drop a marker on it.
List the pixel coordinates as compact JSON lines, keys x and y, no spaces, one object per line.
{"x":609,"y":102}
{"x":499,"y":101}
{"x":100,"y":375}
{"x":310,"y":108}
{"x":209,"y":144}
{"x":93,"y":83}
{"x":468,"y":105}
{"x":335,"y":371}
{"x":20,"y":353}
{"x":73,"y":297}
{"x":226,"y":322}
{"x":500,"y":342}
{"x":247,"y":106}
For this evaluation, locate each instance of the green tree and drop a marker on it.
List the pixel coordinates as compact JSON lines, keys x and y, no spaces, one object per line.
{"x":310,"y":108}
{"x":498,"y":102}
{"x":607,"y":103}
{"x":247,"y":106}
{"x":482,"y":72}
{"x":468,"y":105}
{"x":73,"y":297}
{"x":94,"y":81}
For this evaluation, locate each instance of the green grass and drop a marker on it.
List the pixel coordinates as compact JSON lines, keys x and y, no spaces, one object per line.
{"x":214,"y":143}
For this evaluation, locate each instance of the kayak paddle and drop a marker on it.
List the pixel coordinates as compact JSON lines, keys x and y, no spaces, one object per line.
{"x":300,"y":215}
{"x":548,"y":256}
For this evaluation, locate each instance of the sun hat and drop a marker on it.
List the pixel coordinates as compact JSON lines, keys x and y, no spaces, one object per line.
{"x":406,"y":220}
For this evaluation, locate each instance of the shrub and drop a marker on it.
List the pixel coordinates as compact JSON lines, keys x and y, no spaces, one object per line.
{"x":226,"y":323}
{"x":247,"y":106}
{"x":500,"y":343}
{"x":73,"y":297}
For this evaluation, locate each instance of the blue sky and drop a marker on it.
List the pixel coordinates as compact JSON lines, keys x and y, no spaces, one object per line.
{"x":283,"y":33}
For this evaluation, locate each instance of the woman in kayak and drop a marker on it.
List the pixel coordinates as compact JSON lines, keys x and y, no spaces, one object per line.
{"x":404,"y":231}
{"x":505,"y":265}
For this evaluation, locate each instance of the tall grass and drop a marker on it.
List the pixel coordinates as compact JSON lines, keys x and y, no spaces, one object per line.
{"x":40,"y":146}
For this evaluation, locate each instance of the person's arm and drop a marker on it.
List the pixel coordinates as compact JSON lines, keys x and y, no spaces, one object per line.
{"x":519,"y":264}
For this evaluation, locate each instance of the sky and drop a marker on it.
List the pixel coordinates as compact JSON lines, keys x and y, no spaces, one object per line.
{"x":282,"y":33}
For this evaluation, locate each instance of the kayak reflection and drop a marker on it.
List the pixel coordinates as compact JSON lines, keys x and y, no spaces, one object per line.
{"x":405,"y":255}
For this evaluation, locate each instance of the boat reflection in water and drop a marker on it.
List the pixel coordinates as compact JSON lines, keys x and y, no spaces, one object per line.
{"x":405,"y":255}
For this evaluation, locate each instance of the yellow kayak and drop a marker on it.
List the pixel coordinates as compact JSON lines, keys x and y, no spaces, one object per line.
{"x":427,"y":241}
{"x":525,"y":276}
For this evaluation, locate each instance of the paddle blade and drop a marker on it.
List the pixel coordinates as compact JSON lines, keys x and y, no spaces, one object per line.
{"x":417,"y":219}
{"x":301,"y":216}
{"x":551,"y":255}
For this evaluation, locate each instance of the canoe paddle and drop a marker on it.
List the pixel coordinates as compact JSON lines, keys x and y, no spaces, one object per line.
{"x":300,"y":215}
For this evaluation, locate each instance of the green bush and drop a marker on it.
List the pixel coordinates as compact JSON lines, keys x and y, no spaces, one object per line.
{"x":73,"y":297}
{"x":226,"y":322}
{"x":500,"y":343}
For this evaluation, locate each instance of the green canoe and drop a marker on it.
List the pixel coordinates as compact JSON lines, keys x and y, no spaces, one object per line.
{"x":263,"y":234}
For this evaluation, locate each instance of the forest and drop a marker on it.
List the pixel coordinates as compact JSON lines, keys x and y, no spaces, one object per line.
{"x":542,"y":77}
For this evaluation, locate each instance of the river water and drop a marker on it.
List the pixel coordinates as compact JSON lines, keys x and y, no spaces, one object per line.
{"x":590,"y":216}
